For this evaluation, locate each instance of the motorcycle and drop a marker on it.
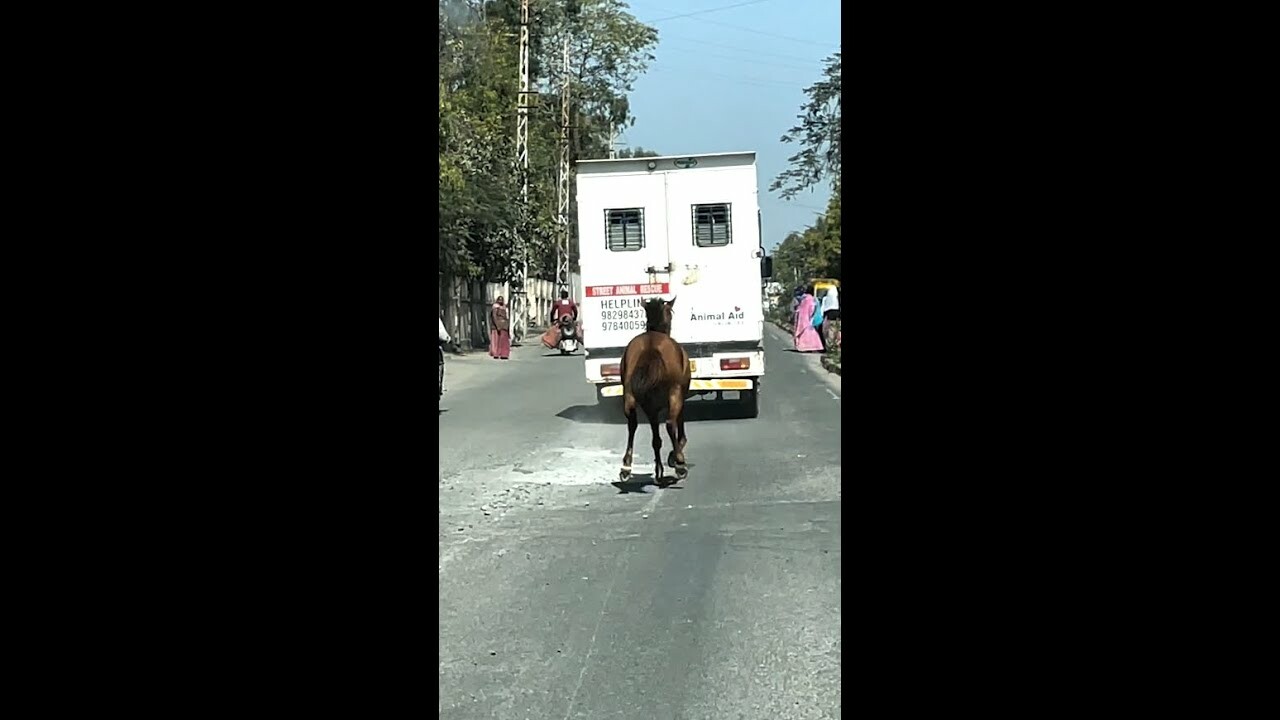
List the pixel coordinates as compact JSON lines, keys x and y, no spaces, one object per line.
{"x":568,"y":335}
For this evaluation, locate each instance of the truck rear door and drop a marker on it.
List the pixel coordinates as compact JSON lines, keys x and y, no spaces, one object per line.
{"x":631,"y":267}
{"x":713,"y":241}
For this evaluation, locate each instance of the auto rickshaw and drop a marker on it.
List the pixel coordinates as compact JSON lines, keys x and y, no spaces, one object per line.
{"x":821,"y":285}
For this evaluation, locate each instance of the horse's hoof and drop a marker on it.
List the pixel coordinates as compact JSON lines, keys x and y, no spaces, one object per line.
{"x":623,"y":475}
{"x":681,"y":472}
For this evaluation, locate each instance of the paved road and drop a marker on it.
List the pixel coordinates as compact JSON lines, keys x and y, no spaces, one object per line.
{"x":717,"y":598}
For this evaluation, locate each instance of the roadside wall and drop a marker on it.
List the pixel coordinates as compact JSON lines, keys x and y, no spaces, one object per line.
{"x":464,"y":306}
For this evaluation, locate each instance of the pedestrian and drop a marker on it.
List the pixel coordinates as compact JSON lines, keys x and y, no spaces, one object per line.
{"x":806,"y":338}
{"x":499,"y":330}
{"x":830,"y":309}
{"x":817,"y":317}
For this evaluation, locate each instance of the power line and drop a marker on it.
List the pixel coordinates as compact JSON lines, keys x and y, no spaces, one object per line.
{"x":708,"y":10}
{"x":736,"y":59}
{"x":664,"y":38}
{"x":750,"y":30}
{"x":766,"y":34}
{"x":758,"y":82}
{"x":761,"y":82}
{"x":821,"y":211}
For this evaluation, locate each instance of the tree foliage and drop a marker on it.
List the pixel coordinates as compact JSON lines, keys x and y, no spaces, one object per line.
{"x":815,"y":251}
{"x":483,"y":229}
{"x":637,"y":152}
{"x":818,"y":135}
{"x":811,"y":253}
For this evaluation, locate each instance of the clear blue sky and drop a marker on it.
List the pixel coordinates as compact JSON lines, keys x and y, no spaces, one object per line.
{"x":734,"y":79}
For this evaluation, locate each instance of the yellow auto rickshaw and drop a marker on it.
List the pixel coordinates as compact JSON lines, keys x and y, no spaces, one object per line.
{"x":821,"y":285}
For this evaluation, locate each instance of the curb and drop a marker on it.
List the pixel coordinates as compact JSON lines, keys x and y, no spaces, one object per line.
{"x":830,"y":365}
{"x":827,"y":363}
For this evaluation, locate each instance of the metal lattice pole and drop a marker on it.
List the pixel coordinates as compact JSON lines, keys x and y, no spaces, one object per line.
{"x":562,"y":189}
{"x":519,"y":308}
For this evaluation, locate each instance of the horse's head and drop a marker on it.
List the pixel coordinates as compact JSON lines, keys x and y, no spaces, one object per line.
{"x":658,"y":314}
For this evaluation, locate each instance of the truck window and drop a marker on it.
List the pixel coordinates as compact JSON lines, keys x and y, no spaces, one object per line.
{"x":712,"y":225}
{"x":624,"y":229}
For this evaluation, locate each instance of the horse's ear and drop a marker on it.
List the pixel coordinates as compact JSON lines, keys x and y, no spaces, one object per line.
{"x":672,"y":301}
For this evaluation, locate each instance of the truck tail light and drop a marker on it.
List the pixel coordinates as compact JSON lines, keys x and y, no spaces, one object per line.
{"x":735,"y":363}
{"x":614,"y":369}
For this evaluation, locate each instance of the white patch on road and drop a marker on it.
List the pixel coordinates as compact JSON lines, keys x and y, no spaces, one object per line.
{"x":833,"y":395}
{"x":449,"y":554}
{"x":569,"y":466}
{"x":649,"y":506}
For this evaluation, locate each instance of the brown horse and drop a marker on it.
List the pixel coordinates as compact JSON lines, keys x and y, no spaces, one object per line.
{"x":655,"y":376}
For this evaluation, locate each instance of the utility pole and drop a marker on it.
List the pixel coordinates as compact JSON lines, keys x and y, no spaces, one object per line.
{"x":563,"y":184}
{"x":519,"y":306}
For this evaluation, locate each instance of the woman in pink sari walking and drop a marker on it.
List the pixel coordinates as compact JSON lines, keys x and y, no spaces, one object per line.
{"x":806,"y":337}
{"x":499,"y":330}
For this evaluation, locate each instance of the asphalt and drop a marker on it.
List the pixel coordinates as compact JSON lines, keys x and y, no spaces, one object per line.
{"x":566,"y":595}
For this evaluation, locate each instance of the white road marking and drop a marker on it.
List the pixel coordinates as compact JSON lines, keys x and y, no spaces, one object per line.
{"x":833,"y":395}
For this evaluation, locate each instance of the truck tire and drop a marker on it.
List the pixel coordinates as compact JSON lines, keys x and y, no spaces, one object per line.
{"x":751,"y":403}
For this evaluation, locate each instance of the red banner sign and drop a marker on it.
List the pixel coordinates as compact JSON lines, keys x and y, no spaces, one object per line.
{"x":620,"y":290}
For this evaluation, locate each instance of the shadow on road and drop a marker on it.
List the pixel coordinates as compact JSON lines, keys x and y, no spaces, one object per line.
{"x":638,"y":483}
{"x":558,"y":354}
{"x":609,"y":412}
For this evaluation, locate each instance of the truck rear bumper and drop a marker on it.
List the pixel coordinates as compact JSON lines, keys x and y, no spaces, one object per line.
{"x":706,"y":368}
{"x":615,"y":389}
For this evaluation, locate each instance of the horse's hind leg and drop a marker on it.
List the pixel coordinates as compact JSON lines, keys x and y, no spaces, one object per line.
{"x":675,"y":430}
{"x":629,"y":409}
{"x":683,"y":439}
{"x":657,"y":452}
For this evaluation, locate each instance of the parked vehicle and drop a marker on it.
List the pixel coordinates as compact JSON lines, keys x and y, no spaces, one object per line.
{"x":675,"y":226}
{"x":822,"y":284}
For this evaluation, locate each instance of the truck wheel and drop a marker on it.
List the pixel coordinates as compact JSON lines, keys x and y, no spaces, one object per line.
{"x":751,"y":403}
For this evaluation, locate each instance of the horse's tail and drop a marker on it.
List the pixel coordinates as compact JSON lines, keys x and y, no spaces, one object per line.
{"x":646,"y":377}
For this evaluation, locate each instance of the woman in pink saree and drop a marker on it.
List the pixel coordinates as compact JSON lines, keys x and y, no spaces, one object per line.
{"x":499,"y":330}
{"x":806,"y":337}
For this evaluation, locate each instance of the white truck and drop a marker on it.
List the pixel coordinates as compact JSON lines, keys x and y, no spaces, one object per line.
{"x":686,"y":227}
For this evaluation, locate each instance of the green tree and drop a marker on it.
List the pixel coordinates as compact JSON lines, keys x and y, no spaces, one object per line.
{"x":637,"y":152}
{"x":814,"y":251}
{"x":483,"y":227}
{"x":608,"y":50}
{"x":478,"y":219}
{"x":818,"y":135}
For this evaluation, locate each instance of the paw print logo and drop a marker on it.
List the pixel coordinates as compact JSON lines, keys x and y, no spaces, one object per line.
{"x":737,"y":309}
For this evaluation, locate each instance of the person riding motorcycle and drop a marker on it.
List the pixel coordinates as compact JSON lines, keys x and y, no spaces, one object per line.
{"x":564,"y":312}
{"x":563,"y":306}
